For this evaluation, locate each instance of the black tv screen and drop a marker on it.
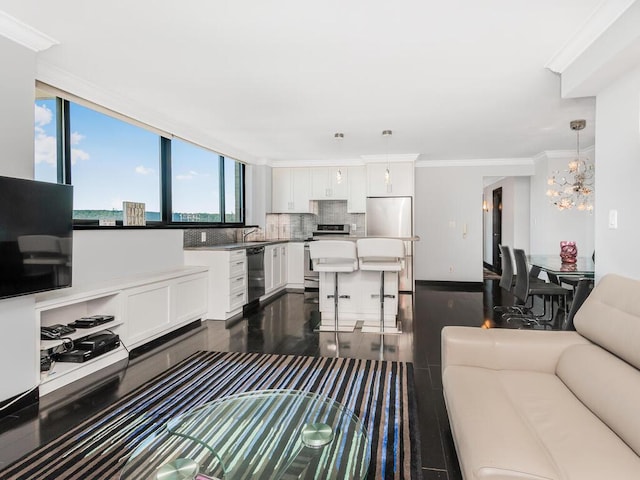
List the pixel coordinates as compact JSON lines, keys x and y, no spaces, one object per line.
{"x":36,"y":231}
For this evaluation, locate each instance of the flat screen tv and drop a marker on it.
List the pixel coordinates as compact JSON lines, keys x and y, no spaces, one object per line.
{"x":36,"y":231}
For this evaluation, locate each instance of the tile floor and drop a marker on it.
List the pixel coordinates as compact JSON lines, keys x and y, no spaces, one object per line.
{"x":285,"y":326}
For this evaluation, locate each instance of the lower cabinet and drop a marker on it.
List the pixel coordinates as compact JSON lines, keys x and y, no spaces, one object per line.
{"x":142,"y":309}
{"x":227,"y":289}
{"x":275,"y":267}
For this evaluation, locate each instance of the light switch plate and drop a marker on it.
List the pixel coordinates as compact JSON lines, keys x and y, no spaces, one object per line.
{"x":613,"y":219}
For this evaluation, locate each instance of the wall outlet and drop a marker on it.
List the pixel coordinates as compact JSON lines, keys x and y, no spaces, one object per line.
{"x":203,"y":236}
{"x":354,"y":227}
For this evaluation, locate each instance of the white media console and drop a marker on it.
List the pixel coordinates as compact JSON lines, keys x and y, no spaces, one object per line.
{"x":144,"y":307}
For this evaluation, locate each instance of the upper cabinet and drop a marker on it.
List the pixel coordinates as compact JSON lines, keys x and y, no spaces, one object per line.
{"x":290,"y":190}
{"x":399,"y":182}
{"x":329,"y":183}
{"x":357,"y":181}
{"x":293,"y":187}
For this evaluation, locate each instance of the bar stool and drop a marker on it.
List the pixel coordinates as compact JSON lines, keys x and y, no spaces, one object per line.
{"x":334,"y":256}
{"x":381,"y":255}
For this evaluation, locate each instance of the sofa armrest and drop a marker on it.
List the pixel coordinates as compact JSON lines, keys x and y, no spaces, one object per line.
{"x":505,"y":349}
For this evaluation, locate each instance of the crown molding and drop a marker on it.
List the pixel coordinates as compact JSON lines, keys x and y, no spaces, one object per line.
{"x":478,"y":162}
{"x":347,"y":162}
{"x":564,"y":154}
{"x":391,"y":158}
{"x":24,"y":34}
{"x":600,"y":20}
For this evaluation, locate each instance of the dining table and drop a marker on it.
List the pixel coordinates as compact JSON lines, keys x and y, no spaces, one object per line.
{"x":583,"y":267}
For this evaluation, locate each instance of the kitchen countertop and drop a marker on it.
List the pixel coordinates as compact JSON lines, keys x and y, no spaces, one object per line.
{"x":238,"y":245}
{"x":415,"y":238}
{"x":262,"y":243}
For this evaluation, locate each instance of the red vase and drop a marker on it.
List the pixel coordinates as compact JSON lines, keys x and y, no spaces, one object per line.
{"x":568,"y":252}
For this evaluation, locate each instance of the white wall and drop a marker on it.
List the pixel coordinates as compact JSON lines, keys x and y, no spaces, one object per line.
{"x":17,"y":109}
{"x":100,"y":255}
{"x":18,"y":356}
{"x":257,"y":194}
{"x":550,"y":226}
{"x":617,"y":174}
{"x":448,"y":198}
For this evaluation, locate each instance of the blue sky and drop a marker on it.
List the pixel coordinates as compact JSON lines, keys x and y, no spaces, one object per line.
{"x":113,"y":161}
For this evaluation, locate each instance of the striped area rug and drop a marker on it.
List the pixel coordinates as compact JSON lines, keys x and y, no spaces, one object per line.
{"x":380,"y":393}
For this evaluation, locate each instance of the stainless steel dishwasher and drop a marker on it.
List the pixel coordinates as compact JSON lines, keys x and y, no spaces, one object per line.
{"x":255,"y":269}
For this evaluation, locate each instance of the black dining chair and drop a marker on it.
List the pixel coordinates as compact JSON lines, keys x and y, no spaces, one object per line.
{"x":526,"y":289}
{"x":580,"y":293}
{"x":507,"y":281}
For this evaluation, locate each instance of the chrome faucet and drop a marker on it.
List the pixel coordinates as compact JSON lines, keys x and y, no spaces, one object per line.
{"x":246,"y":234}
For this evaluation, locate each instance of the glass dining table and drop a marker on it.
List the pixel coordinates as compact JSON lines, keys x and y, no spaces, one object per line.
{"x":584,"y":266}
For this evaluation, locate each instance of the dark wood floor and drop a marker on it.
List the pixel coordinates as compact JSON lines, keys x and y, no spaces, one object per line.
{"x":285,"y":326}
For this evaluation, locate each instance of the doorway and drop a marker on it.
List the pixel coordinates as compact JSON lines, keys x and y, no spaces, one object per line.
{"x":497,"y":228}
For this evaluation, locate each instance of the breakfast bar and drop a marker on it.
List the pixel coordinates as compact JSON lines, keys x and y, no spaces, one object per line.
{"x":359,"y":293}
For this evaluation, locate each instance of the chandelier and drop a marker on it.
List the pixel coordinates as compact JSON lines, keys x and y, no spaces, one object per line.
{"x":575,"y":189}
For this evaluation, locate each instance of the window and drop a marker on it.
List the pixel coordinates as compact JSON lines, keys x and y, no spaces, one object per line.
{"x":195,"y":183}
{"x":47,"y":157}
{"x":110,"y":159}
{"x":111,"y":162}
{"x":233,"y":182}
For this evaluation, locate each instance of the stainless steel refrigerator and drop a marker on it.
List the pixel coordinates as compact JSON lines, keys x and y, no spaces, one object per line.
{"x":393,"y":217}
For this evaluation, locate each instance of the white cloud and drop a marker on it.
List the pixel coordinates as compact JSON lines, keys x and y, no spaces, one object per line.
{"x":190,"y":175}
{"x":142,"y":170}
{"x":43,"y":115}
{"x":76,"y":138}
{"x":45,"y":148}
{"x":77,"y":154}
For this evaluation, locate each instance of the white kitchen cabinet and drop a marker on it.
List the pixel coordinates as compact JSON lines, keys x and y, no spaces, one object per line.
{"x":357,"y":195}
{"x":400,"y":179}
{"x":268,"y":268}
{"x":275,"y":267}
{"x":295,"y":265}
{"x":284,"y":264}
{"x":227,"y":290}
{"x":328,"y":184}
{"x":290,"y":190}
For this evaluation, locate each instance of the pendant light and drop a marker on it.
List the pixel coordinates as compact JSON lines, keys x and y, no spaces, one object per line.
{"x":339,"y":137}
{"x":387,"y":173}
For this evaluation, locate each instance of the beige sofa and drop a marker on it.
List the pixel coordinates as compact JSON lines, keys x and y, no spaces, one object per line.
{"x":528,"y":404}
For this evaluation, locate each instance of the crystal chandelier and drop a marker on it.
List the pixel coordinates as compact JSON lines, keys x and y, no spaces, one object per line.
{"x":575,"y":189}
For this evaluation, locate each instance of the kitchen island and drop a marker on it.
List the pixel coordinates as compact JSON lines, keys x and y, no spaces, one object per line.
{"x":362,"y":288}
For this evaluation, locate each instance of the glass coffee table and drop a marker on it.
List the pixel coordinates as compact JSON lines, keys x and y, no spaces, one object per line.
{"x":266,"y":434}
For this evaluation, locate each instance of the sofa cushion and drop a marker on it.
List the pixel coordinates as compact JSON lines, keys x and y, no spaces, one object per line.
{"x":608,"y":386}
{"x":610,"y":317}
{"x":529,"y":425}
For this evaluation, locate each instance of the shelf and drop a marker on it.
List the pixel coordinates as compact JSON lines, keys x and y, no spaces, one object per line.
{"x":62,"y":373}
{"x":46,"y":345}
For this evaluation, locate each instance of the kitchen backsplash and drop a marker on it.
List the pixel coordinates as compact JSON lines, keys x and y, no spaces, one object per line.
{"x":294,"y":226}
{"x":220,"y":236}
{"x":335,"y":211}
{"x":299,"y":226}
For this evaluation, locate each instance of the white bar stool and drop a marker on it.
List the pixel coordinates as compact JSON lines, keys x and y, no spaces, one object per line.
{"x":334,"y":256}
{"x":381,"y":255}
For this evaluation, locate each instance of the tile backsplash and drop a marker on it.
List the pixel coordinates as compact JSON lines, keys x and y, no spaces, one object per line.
{"x":294,"y":226}
{"x":193,"y":237}
{"x":299,"y":226}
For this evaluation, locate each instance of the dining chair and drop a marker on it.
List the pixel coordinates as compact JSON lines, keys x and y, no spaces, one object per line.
{"x":526,"y":289}
{"x":580,"y":293}
{"x":507,"y":280}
